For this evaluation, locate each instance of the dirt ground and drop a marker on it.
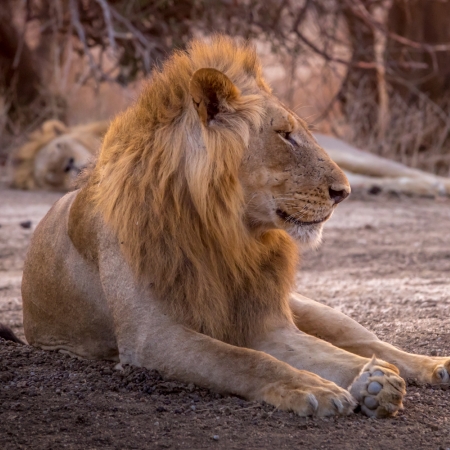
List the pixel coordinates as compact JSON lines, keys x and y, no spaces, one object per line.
{"x":384,"y":261}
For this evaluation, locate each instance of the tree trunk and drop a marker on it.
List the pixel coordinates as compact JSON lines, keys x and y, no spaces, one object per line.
{"x":428,"y":22}
{"x":424,"y":21}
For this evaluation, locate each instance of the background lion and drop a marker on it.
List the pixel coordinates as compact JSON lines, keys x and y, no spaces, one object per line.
{"x":55,"y":154}
{"x":370,"y":172}
{"x":179,"y":252}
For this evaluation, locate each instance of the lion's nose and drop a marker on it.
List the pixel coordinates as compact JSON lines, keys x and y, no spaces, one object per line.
{"x":339,"y":193}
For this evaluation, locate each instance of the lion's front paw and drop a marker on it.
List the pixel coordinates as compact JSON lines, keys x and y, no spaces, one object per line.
{"x":379,"y":389}
{"x":441,"y":372}
{"x":320,"y":398}
{"x":428,"y":370}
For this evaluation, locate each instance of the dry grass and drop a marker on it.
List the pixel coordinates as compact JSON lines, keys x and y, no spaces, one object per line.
{"x":417,"y":134}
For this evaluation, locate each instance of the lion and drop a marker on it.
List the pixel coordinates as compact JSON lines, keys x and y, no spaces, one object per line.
{"x":372,"y":173}
{"x":55,"y":154}
{"x":180,"y":250}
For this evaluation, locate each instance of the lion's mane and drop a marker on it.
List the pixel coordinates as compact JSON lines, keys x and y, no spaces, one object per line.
{"x":169,"y":189}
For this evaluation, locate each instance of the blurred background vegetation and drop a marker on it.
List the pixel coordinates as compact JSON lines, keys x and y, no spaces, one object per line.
{"x":373,"y":72}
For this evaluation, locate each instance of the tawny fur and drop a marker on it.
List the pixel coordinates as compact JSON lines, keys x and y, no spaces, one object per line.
{"x":181,"y":233}
{"x":178,"y":206}
{"x":23,"y":158}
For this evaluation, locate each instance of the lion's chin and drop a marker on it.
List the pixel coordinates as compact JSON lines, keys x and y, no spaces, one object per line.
{"x":308,"y":237}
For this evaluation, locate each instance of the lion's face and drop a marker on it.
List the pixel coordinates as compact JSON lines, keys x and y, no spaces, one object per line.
{"x":289,"y":181}
{"x":59,"y":162}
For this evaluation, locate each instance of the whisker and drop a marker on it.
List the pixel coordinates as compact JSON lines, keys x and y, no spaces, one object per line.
{"x":251,"y":199}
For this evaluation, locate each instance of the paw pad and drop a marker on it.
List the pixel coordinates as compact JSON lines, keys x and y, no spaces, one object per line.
{"x":371,"y":402}
{"x":379,"y":390}
{"x":374,"y":387}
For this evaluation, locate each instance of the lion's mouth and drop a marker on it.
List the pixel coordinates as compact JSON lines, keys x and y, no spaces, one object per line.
{"x":291,"y":219}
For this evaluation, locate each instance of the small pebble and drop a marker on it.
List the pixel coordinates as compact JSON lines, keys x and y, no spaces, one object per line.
{"x":216,"y":437}
{"x":26,"y":224}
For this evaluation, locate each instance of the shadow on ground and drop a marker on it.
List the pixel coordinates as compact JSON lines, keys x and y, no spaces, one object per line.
{"x":385,"y":262}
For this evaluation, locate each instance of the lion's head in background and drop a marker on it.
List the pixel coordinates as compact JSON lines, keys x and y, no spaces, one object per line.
{"x":55,"y":154}
{"x":205,"y":177}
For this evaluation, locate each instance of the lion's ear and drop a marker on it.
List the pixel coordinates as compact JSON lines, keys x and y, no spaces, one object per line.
{"x":211,"y":90}
{"x":54,"y":127}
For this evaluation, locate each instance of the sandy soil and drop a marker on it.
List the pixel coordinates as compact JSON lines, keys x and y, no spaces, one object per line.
{"x":385,"y":262}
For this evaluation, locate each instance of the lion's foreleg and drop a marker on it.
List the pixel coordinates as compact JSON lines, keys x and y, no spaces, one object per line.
{"x":147,"y":336}
{"x":340,"y":330}
{"x":331,"y":325}
{"x":374,"y":383}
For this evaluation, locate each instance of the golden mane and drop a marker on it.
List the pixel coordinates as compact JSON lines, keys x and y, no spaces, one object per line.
{"x":169,"y":189}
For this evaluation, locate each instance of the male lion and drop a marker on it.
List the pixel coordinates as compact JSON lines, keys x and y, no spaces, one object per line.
{"x":179,"y":252}
{"x":55,"y":154}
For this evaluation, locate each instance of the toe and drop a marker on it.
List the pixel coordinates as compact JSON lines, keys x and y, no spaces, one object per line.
{"x":333,"y":403}
{"x":390,"y":396}
{"x":371,"y":402}
{"x":374,"y":387}
{"x":379,"y":390}
{"x":338,"y":405}
{"x":441,"y":374}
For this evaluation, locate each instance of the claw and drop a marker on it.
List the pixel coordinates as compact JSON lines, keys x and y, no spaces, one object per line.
{"x":443,"y":375}
{"x":351,"y":401}
{"x":313,"y":402}
{"x":338,"y":405}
